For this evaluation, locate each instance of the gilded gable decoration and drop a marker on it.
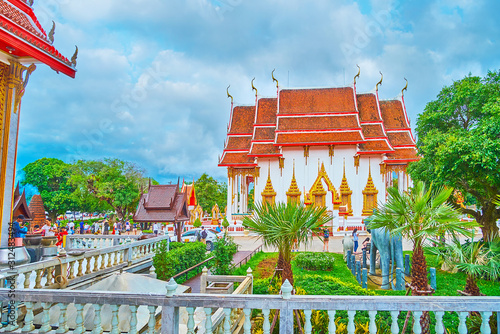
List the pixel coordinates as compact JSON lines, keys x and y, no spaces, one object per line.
{"x":268,"y":195}
{"x":281,"y":163}
{"x":331,"y":152}
{"x":345,"y":193}
{"x":306,"y":152}
{"x":293,"y":193}
{"x":369,"y":195}
{"x":356,"y":162}
{"x":317,"y":193}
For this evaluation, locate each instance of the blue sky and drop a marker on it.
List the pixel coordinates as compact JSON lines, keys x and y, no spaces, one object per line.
{"x":152,"y":75}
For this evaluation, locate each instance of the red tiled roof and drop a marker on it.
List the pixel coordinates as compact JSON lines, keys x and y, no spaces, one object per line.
{"x":373,"y":130}
{"x":162,"y":203}
{"x":243,"y":118}
{"x":367,"y":106}
{"x":20,"y":205}
{"x":236,"y":159}
{"x":318,"y":123}
{"x":393,"y":115}
{"x":319,"y":138}
{"x":406,"y":154}
{"x":322,"y":100}
{"x":266,"y":111}
{"x":375,"y":146}
{"x":22,"y":33}
{"x":400,"y":138}
{"x":238,"y":143}
{"x":259,"y":149}
{"x":262,"y":133}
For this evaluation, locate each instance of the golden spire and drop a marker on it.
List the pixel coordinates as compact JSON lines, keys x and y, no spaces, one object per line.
{"x":274,"y":79}
{"x":369,"y":194}
{"x":357,"y":75}
{"x":293,"y":190}
{"x":229,"y":95}
{"x":253,"y":87}
{"x":345,"y":193}
{"x":269,"y":190}
{"x":405,"y":88}
{"x":380,"y":82}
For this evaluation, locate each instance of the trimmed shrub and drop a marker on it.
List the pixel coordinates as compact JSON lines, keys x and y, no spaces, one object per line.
{"x":175,"y":245}
{"x":315,"y":261}
{"x":325,"y":285}
{"x":223,"y":252}
{"x":168,"y":264}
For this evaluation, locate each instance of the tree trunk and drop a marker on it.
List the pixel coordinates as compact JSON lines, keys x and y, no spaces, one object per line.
{"x":280,"y":265}
{"x":487,"y":220}
{"x":419,"y":283}
{"x":471,"y":287}
{"x":287,"y":273}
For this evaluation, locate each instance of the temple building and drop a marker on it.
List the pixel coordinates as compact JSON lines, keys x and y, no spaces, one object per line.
{"x":23,"y":42}
{"x":21,"y":205}
{"x":330,"y":147}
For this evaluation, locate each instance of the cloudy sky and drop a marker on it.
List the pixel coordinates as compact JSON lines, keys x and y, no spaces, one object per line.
{"x":152,"y":75}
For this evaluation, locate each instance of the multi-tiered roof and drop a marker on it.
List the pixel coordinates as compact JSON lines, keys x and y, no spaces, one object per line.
{"x":322,"y":116}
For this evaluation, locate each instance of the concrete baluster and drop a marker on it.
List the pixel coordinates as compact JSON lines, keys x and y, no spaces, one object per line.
{"x":71,"y":270}
{"x":190,"y":321}
{"x":332,"y":328}
{"x":485,"y":323}
{"x":88,"y":270}
{"x":152,"y":320}
{"x":133,"y":319}
{"x":28,"y":319}
{"x":417,"y":329}
{"x":38,"y":279}
{"x":350,"y":324}
{"x":439,"y":322}
{"x":12,"y":318}
{"x":79,"y":320}
{"x":307,"y":324}
{"x":96,"y":263}
{"x":27,"y":279}
{"x":49,"y":276}
{"x":80,"y":268}
{"x":115,"y":258}
{"x":247,"y":325}
{"x":266,"y":325}
{"x":63,"y":325}
{"x":97,"y":320}
{"x":109,"y":260}
{"x":208,"y":320}
{"x":134,"y":252}
{"x":373,"y":326}
{"x":462,"y":327}
{"x":45,"y":319}
{"x":114,"y":319}
{"x":103,"y":262}
{"x":394,"y":322}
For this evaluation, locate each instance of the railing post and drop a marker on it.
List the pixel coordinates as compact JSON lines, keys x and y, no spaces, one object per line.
{"x":286,"y":313}
{"x":433,"y":278}
{"x":353,"y":264}
{"x":358,"y":271}
{"x":203,"y":280}
{"x":249,"y":274}
{"x":399,"y":279}
{"x":407,"y":265}
{"x":364,"y":258}
{"x":365,"y":278}
{"x":348,"y":259}
{"x":170,"y":314}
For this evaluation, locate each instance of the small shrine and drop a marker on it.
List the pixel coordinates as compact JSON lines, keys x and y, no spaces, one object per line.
{"x":23,"y":42}
{"x":38,"y":211}
{"x":163,"y":204}
{"x":330,"y":147}
{"x":21,"y":205}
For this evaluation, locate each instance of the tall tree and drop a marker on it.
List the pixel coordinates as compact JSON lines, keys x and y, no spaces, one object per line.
{"x":416,"y":215}
{"x":459,"y":141}
{"x":209,"y":192}
{"x":51,"y":178}
{"x":118,"y":183}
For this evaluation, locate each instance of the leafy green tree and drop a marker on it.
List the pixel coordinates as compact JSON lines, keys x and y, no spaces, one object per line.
{"x":284,"y":224}
{"x":477,"y":259}
{"x":458,"y":139}
{"x":209,"y":192}
{"x":118,"y":183}
{"x":417,"y":215}
{"x":197,"y":223}
{"x":224,"y":250}
{"x":51,"y":178}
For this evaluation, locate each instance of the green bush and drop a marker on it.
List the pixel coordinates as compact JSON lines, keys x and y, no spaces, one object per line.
{"x":327,"y":285}
{"x":223,"y":252}
{"x":175,"y":245}
{"x":197,"y":223}
{"x":168,"y":264}
{"x":315,"y":261}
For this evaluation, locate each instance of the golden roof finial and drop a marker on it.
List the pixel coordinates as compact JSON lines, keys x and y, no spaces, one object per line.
{"x":52,"y":31}
{"x":405,"y":88}
{"x":253,"y":87}
{"x":229,"y":95}
{"x":357,"y":75}
{"x":344,"y":168}
{"x":274,"y":79}
{"x":293,"y":190}
{"x":369,"y":167}
{"x":380,"y":82}
{"x":75,"y":55}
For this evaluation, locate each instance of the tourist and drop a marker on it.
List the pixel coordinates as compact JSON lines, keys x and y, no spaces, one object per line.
{"x":218,"y":228}
{"x":81,"y":227}
{"x":355,"y":239}
{"x":47,"y":229}
{"x":37,"y":230}
{"x":155,"y":228}
{"x":365,"y":244}
{"x":105,"y":229}
{"x":71,"y":231}
{"x":119,"y":226}
{"x":135,"y":228}
{"x":86,"y":228}
{"x":70,"y":225}
{"x":326,"y":238}
{"x":197,"y":235}
{"x":127,"y":227}
{"x":60,"y":237}
{"x":203,"y":235}
{"x":18,"y":228}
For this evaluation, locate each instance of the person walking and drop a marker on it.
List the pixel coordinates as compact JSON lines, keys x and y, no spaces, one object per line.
{"x":203,"y":235}
{"x":19,"y":230}
{"x":127,"y":227}
{"x":105,"y":229}
{"x":355,"y":239}
{"x":155,"y":228}
{"x":326,"y":238}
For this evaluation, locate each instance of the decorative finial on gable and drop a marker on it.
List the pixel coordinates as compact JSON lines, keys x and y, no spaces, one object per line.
{"x":380,"y":82}
{"x":405,"y":88}
{"x":274,"y":79}
{"x":52,"y":31}
{"x":229,"y":95}
{"x":75,"y":55}
{"x":357,"y":75}
{"x":253,"y":87}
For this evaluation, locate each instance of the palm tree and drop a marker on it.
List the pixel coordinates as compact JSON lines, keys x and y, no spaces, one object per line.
{"x":282,"y":225}
{"x":475,"y":259}
{"x":417,"y":215}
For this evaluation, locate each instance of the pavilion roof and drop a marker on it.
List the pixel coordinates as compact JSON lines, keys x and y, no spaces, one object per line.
{"x":22,"y":36}
{"x":20,"y":205}
{"x":162,"y":203}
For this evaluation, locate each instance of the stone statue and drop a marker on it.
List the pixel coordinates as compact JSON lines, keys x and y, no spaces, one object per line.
{"x":391,"y":254}
{"x":348,"y":244}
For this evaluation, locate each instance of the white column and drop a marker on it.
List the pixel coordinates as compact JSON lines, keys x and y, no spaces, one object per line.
{"x":229,"y":204}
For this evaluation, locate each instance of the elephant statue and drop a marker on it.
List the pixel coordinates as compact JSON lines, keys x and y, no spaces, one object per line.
{"x":391,"y":254}
{"x":347,"y":244}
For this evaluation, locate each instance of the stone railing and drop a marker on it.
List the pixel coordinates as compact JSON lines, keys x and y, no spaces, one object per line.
{"x":59,"y":272}
{"x":80,"y":311}
{"x":81,"y":241}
